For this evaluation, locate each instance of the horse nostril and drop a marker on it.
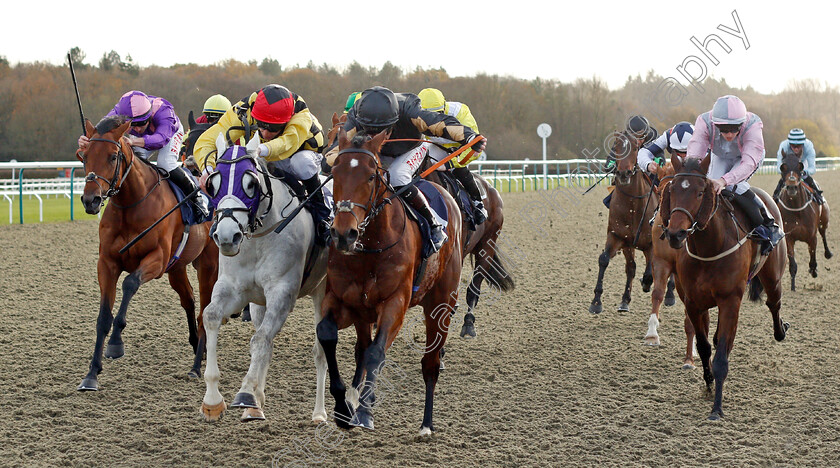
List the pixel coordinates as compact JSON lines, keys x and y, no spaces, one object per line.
{"x":333,"y":233}
{"x":237,"y":237}
{"x":352,"y":235}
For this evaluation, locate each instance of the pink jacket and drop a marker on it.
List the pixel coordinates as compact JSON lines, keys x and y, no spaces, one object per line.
{"x":748,"y":146}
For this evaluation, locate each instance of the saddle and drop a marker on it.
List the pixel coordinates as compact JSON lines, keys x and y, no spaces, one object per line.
{"x":438,"y":207}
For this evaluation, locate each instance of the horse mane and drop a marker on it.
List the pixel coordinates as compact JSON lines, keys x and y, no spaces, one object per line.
{"x":692,"y":165}
{"x":109,"y":123}
{"x":359,"y":140}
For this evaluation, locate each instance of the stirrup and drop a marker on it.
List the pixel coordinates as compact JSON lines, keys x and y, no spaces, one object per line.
{"x":439,"y":236}
{"x":479,"y":212}
{"x":201,"y":205}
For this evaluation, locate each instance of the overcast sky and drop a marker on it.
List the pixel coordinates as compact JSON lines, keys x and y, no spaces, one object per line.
{"x":769,"y":44}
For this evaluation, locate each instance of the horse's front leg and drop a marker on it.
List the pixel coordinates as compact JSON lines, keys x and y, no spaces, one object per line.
{"x":700,"y":323}
{"x":661,"y":274}
{"x":823,"y":226}
{"x":319,"y":414}
{"x":596,"y":307}
{"x":179,"y":281}
{"x":364,"y":337}
{"x":647,"y":276}
{"x":812,"y":252}
{"x":727,"y":326}
{"x":630,"y":271}
{"x":131,"y":284}
{"x":108,"y":274}
{"x":224,"y":302}
{"x":327,"y":333}
{"x":280,"y":300}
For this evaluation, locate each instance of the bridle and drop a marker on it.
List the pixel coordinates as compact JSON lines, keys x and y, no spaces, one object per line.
{"x":375,"y":204}
{"x":113,"y":186}
{"x":694,"y":225}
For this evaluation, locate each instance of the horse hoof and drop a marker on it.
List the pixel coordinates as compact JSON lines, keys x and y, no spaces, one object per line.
{"x":624,"y":307}
{"x":688,"y":366}
{"x":786,"y":325}
{"x":645,"y":287}
{"x":716,"y":415}
{"x":468,"y":331}
{"x":244,"y":400}
{"x":652,"y":340}
{"x":89,"y":384}
{"x":362,"y":419}
{"x":252,"y":414}
{"x":213,"y":413}
{"x":828,"y":254}
{"x":246,"y":314}
{"x":114,"y":351}
{"x":194,"y":374}
{"x":318,"y":418}
{"x":596,"y":308}
{"x":343,"y":413}
{"x":425,"y":432}
{"x":669,"y":301}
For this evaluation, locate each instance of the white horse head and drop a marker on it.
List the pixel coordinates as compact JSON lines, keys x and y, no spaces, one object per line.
{"x":235,"y":191}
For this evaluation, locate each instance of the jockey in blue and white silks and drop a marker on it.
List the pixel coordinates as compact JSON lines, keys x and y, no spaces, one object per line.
{"x":797,"y":144}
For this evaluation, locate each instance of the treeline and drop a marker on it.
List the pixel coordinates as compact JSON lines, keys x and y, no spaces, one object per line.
{"x":39,"y":118}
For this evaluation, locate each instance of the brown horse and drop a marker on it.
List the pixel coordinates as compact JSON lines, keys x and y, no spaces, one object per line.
{"x":663,"y":264}
{"x":715,"y":260}
{"x":137,"y":200}
{"x":633,"y":204}
{"x":374,"y":258}
{"x":480,"y":244}
{"x":803,"y":217}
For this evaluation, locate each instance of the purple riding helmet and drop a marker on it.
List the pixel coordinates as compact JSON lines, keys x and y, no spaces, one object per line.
{"x":236,"y":179}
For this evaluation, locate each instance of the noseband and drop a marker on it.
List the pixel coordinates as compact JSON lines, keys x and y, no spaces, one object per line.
{"x":113,"y":185}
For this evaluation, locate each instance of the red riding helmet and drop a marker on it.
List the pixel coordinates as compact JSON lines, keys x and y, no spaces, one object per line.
{"x":274,"y":105}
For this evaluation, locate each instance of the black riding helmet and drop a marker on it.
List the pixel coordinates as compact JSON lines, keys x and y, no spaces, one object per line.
{"x":638,"y":125}
{"x":377,"y":109}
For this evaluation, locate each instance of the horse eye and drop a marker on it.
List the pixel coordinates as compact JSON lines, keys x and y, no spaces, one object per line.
{"x":249,"y":185}
{"x":113,"y":157}
{"x":372,"y":176}
{"x":214,"y":183}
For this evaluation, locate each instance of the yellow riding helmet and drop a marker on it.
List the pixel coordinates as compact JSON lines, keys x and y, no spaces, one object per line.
{"x":431,"y":99}
{"x":216,"y":104}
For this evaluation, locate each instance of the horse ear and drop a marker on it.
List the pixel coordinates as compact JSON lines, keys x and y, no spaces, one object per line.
{"x":335,"y":119}
{"x":783,"y":168}
{"x":89,"y":128}
{"x":801,"y":166}
{"x":191,"y":120}
{"x":707,"y":208}
{"x":676,"y":162}
{"x":221,"y":145}
{"x":343,"y":140}
{"x":379,"y":139}
{"x":704,"y":164}
{"x":122,"y":129}
{"x":665,"y":204}
{"x":253,"y":144}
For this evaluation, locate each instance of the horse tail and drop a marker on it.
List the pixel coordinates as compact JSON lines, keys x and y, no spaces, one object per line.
{"x":756,"y":288}
{"x":499,"y":275}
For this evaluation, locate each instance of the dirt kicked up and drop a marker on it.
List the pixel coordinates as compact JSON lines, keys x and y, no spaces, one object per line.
{"x":545,"y":383}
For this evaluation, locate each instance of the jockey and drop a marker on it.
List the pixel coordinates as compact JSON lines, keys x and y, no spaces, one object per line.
{"x":214,"y":108}
{"x":804,"y":149}
{"x":351,"y":99}
{"x":638,"y":126}
{"x":675,"y":140}
{"x":736,"y":141}
{"x":291,"y":140}
{"x":155,"y":129}
{"x":432,"y":100}
{"x":379,"y":109}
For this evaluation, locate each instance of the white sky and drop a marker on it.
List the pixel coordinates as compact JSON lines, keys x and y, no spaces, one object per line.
{"x":526,"y":39}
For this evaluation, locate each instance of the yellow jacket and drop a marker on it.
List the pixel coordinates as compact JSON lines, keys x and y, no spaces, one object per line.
{"x":302,"y":132}
{"x":461,"y":112}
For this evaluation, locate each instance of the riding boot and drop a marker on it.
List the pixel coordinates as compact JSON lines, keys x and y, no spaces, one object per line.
{"x":466,"y":178}
{"x":778,"y":190}
{"x":763,"y":227}
{"x":418,"y":201}
{"x":818,"y":197}
{"x":321,"y":214}
{"x":187,"y":185}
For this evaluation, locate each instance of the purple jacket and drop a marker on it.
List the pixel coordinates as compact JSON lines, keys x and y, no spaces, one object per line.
{"x":163,"y":125}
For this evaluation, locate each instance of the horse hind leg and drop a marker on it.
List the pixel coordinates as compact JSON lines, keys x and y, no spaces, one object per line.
{"x":823,"y":228}
{"x":647,"y":276}
{"x":180,"y":282}
{"x":319,"y":414}
{"x":792,"y":268}
{"x":630,"y":271}
{"x":596,"y":307}
{"x":812,"y":253}
{"x":661,"y":273}
{"x":670,"y":299}
{"x":115,"y":348}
